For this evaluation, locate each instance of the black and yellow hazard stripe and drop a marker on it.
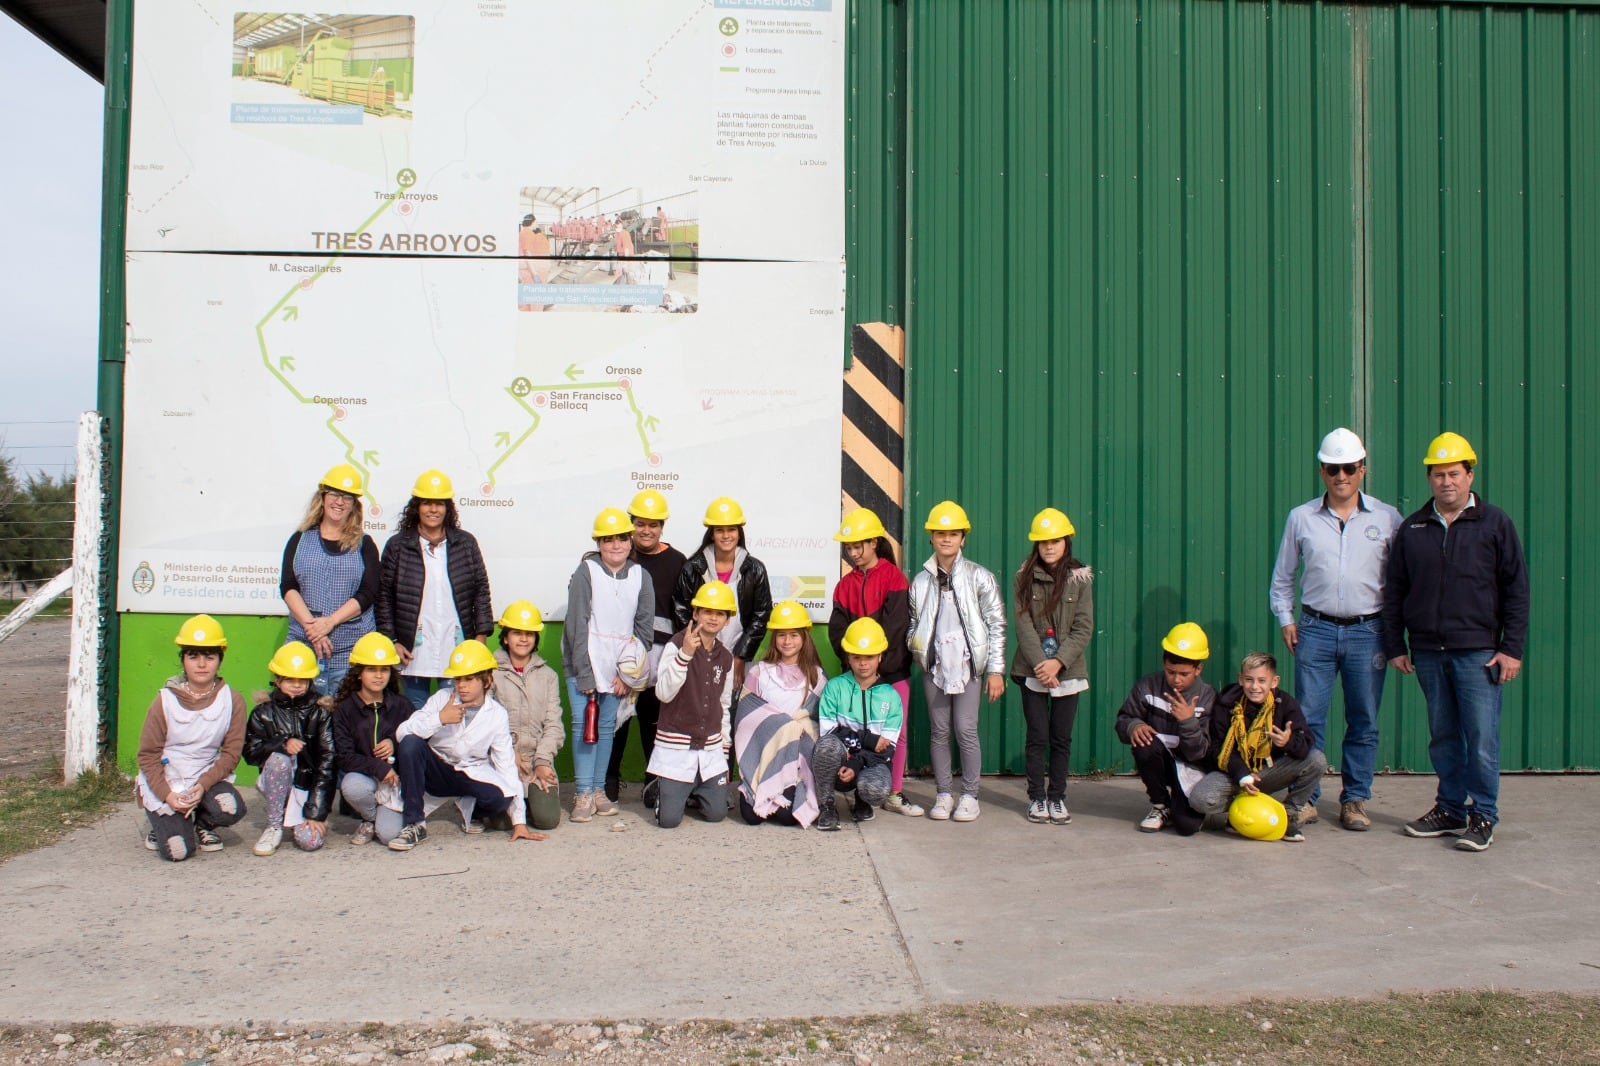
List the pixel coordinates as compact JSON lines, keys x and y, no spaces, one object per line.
{"x":873,"y":452}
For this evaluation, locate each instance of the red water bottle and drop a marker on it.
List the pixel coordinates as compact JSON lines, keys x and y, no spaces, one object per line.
{"x":591,"y":721}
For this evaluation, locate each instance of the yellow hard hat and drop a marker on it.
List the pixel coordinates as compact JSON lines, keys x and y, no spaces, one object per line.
{"x":470,"y":657}
{"x":433,"y":485}
{"x":865,"y":637}
{"x":1258,"y":816}
{"x":522,"y":615}
{"x":650,"y":504}
{"x":715,"y":596}
{"x":374,"y":649}
{"x":947,"y":515}
{"x":789,"y":614}
{"x":1449,"y":448}
{"x":201,"y":631}
{"x":1187,"y":641}
{"x":860,"y":524}
{"x":344,"y":478}
{"x":1050,"y":524}
{"x":724,"y":511}
{"x":612,"y":522}
{"x":295,"y":659}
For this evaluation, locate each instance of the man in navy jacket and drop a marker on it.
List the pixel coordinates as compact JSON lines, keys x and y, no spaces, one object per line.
{"x":1457,"y":586}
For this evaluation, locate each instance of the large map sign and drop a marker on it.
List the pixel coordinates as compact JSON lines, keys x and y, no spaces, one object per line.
{"x":560,"y":252}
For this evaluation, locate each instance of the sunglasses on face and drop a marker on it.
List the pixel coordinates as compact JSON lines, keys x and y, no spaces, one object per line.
{"x":1347,"y":469}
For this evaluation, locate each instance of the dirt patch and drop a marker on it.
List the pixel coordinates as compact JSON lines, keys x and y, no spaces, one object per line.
{"x":33,"y":716}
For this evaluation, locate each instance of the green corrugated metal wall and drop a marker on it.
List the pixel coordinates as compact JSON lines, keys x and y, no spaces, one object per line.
{"x":1153,"y":249}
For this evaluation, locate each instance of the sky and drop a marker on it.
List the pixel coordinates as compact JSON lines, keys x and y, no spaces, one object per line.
{"x":49,"y":274}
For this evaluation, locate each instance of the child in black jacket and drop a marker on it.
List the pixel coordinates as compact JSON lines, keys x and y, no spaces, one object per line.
{"x":290,"y":737}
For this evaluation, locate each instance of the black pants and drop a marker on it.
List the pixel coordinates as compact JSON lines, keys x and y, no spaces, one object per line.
{"x":423,"y":771}
{"x":1158,"y":769}
{"x":175,"y":833}
{"x":1049,"y":720}
{"x":781,"y":816}
{"x":647,"y":709}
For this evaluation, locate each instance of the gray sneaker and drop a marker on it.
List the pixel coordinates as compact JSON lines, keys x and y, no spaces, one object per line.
{"x":409,"y":837}
{"x":1059,"y":815}
{"x":207,"y":838}
{"x":1479,"y":834}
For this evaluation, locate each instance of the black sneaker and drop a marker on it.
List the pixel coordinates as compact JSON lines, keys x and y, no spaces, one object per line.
{"x":207,"y":838}
{"x":828,"y":817}
{"x":652,"y":792}
{"x":1436,"y":823}
{"x":409,"y":837}
{"x":1479,"y":834}
{"x":863,"y":812}
{"x":613,"y":788}
{"x":150,"y":841}
{"x":1293,"y":834}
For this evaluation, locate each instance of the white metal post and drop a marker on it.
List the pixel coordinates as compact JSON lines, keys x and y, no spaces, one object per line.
{"x":83,"y":665}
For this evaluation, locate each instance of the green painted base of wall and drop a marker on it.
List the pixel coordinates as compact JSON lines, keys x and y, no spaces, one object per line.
{"x":149,"y":658}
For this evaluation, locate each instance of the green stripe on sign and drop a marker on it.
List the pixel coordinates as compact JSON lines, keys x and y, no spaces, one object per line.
{"x":807,"y":588}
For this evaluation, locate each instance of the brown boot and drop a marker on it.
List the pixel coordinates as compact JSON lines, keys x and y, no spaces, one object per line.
{"x":1353,"y":815}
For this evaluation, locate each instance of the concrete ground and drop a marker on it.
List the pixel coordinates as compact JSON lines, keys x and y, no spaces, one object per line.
{"x":619,"y":919}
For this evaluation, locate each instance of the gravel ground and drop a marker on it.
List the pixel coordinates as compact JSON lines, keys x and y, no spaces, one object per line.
{"x":953,"y":1035}
{"x":33,"y":661}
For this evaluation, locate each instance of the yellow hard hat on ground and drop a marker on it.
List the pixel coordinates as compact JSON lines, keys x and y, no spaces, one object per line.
{"x":789,"y":614}
{"x":1187,"y":641}
{"x":612,"y":522}
{"x":295,"y":659}
{"x":1258,"y":816}
{"x":374,"y":649}
{"x":649,"y":504}
{"x":1050,"y":524}
{"x":715,"y":596}
{"x":523,"y":615}
{"x":860,"y":524}
{"x":343,"y":478}
{"x":470,"y":657}
{"x":201,"y":631}
{"x":865,"y":637}
{"x":1449,"y":448}
{"x":724,"y":511}
{"x":433,"y":485}
{"x":947,"y":515}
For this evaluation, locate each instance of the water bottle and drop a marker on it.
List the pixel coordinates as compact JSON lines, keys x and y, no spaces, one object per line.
{"x":591,"y":721}
{"x":1051,"y":644}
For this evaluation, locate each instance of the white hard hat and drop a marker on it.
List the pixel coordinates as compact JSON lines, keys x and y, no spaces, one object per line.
{"x":1341,"y":446}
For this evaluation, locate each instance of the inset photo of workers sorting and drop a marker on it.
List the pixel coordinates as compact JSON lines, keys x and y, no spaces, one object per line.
{"x":629,"y":250}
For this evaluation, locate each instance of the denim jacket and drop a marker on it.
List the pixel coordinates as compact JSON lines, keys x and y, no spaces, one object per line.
{"x":978,"y":602}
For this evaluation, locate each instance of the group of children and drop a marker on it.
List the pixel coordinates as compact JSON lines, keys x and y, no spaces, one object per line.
{"x":487,"y":739}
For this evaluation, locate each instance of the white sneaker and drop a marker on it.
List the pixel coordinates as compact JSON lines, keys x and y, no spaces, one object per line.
{"x":1038,"y":811}
{"x":1059,"y":815}
{"x":966,"y":810}
{"x":942,"y":804}
{"x":270,"y":839}
{"x":1156,"y":820}
{"x":898,"y":804}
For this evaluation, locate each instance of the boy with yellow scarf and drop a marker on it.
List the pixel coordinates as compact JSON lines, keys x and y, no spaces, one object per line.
{"x":1262,"y":744}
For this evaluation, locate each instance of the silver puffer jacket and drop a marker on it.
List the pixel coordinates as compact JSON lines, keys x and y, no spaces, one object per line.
{"x":978,"y":602}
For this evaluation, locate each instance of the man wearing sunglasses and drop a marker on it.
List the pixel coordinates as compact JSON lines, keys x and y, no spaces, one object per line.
{"x":1340,"y":543}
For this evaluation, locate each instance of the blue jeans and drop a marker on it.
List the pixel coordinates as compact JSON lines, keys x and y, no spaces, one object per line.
{"x":418,"y":689}
{"x":589,"y":761}
{"x":1463,"y":729}
{"x":1354,"y":656}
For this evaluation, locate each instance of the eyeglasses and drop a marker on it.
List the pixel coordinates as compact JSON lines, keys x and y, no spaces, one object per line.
{"x":336,"y":494}
{"x":1347,"y":469}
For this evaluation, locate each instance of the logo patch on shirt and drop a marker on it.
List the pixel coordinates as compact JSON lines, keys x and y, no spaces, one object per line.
{"x":716,"y":674}
{"x":1374,"y":534}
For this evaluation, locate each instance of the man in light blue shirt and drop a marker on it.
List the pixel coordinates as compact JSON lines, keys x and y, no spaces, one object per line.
{"x":1342,"y":540}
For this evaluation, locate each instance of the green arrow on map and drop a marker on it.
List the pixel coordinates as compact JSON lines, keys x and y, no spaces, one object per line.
{"x":285,"y":362}
{"x":501,"y":439}
{"x":291,"y":312}
{"x":370,"y":457}
{"x":572,"y":372}
{"x":652,"y":423}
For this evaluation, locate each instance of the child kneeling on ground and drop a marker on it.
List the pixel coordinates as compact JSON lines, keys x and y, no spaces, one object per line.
{"x":290,"y":737}
{"x":695,"y":686}
{"x":1165,"y":720}
{"x":188,"y":749}
{"x":1262,"y":744}
{"x":860,"y":719}
{"x":458,"y":744}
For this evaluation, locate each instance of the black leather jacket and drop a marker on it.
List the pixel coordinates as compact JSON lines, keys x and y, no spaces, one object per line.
{"x":306,"y":718}
{"x":755,"y":597}
{"x":400,"y":593}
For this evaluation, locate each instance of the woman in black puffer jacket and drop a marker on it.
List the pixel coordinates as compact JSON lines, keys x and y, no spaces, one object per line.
{"x":722,"y":557}
{"x":427,"y":623}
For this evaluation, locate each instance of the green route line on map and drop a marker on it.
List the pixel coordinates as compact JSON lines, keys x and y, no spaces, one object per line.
{"x":639,"y":417}
{"x":369,"y":457}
